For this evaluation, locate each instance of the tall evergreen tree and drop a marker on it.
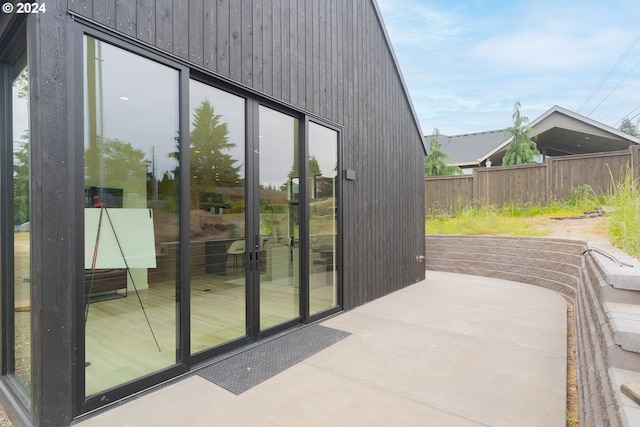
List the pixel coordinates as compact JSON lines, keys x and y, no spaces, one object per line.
{"x":211,"y":164}
{"x":522,"y":149}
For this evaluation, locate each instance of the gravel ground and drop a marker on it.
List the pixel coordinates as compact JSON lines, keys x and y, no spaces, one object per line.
{"x":4,"y":419}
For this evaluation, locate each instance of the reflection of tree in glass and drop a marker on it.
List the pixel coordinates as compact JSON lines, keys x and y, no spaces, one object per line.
{"x":21,"y":159}
{"x":21,"y":180}
{"x":314,"y":166}
{"x":211,"y":165}
{"x":167,"y":188}
{"x":314,"y":170}
{"x":121,"y":164}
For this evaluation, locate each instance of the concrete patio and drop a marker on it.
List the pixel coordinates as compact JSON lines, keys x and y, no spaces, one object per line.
{"x":452,"y":350}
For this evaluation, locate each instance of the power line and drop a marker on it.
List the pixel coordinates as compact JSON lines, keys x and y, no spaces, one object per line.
{"x":602,"y":82}
{"x":616,"y":87}
{"x":623,"y":99}
{"x":627,"y":115}
{"x":631,"y":118}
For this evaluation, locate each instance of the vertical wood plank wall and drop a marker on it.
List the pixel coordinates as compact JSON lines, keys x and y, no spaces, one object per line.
{"x":332,"y":59}
{"x":54,"y":237}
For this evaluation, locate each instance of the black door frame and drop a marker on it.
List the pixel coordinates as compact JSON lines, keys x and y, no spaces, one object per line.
{"x":13,"y":57}
{"x":253,"y":100}
{"x":254,"y":174}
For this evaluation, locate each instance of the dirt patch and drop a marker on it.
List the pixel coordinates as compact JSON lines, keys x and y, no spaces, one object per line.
{"x":573,"y":409}
{"x":577,"y":228}
{"x":204,"y":225}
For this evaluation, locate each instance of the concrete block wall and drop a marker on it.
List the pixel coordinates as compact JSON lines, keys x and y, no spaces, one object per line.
{"x":606,"y":294}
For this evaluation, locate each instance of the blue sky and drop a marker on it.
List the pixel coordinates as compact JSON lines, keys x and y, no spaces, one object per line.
{"x":466,"y":63}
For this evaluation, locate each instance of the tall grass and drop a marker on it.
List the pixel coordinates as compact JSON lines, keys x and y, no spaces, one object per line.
{"x":624,"y":219}
{"x":623,"y":225}
{"x":511,"y":219}
{"x":484,"y":220}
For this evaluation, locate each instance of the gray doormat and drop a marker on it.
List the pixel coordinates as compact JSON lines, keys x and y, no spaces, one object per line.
{"x":244,"y":370}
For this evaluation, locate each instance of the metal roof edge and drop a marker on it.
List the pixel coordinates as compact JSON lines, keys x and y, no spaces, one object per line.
{"x":579,"y":117}
{"x":573,"y":115}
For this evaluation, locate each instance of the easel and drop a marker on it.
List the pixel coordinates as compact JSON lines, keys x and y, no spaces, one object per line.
{"x":104,"y":210}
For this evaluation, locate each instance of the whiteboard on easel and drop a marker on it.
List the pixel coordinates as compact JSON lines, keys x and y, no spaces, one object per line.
{"x":125,"y":238}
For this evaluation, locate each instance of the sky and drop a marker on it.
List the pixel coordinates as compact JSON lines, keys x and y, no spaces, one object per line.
{"x":466,"y":63}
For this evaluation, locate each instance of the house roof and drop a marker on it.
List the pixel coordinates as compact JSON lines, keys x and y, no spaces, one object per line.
{"x":557,"y":132}
{"x":467,"y":149}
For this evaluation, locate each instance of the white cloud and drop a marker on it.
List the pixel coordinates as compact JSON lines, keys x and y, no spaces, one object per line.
{"x":548,"y":47}
{"x":414,"y":23}
{"x":466,"y":64}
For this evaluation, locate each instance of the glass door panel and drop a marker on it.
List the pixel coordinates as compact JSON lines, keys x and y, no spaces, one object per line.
{"x":323,"y":218}
{"x":278,"y":217}
{"x":20,"y":356}
{"x":131,"y":159}
{"x":217,"y":212}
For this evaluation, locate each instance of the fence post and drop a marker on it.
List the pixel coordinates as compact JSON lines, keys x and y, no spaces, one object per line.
{"x":550,"y":187}
{"x":476,"y":190}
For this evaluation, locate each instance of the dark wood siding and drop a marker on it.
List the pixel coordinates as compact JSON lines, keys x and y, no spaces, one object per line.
{"x":329,"y":58}
{"x":55,"y":239}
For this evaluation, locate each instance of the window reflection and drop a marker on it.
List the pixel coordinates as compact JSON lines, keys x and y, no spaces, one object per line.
{"x":131,"y":215}
{"x":279,"y":217}
{"x":20,"y":359}
{"x":323,"y":218}
{"x":217,"y":217}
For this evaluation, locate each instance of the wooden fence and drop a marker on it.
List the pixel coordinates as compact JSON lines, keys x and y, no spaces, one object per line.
{"x":538,"y":183}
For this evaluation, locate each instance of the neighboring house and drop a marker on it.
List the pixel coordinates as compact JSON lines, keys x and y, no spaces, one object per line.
{"x":557,"y":132}
{"x":197,"y":177}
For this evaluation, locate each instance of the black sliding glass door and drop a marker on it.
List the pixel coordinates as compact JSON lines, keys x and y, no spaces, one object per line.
{"x":279,"y":218}
{"x":200,"y":235}
{"x":217,"y":217}
{"x":131,"y":216}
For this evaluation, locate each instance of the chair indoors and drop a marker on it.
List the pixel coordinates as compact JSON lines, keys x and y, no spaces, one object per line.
{"x":236,"y":248}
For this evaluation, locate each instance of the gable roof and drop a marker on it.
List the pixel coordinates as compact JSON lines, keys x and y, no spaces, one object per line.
{"x":557,"y":132}
{"x":467,"y":149}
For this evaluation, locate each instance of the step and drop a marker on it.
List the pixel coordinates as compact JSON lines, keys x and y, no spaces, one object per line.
{"x":561,"y":245}
{"x":502,"y":254}
{"x":625,"y":324}
{"x":508,"y":243}
{"x":629,"y":410}
{"x":625,"y":276}
{"x":608,"y":293}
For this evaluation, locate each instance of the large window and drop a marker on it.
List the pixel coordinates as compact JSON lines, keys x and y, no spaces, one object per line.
{"x":323,"y":218}
{"x":279,"y":210}
{"x":131,"y":161}
{"x":217,"y":216}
